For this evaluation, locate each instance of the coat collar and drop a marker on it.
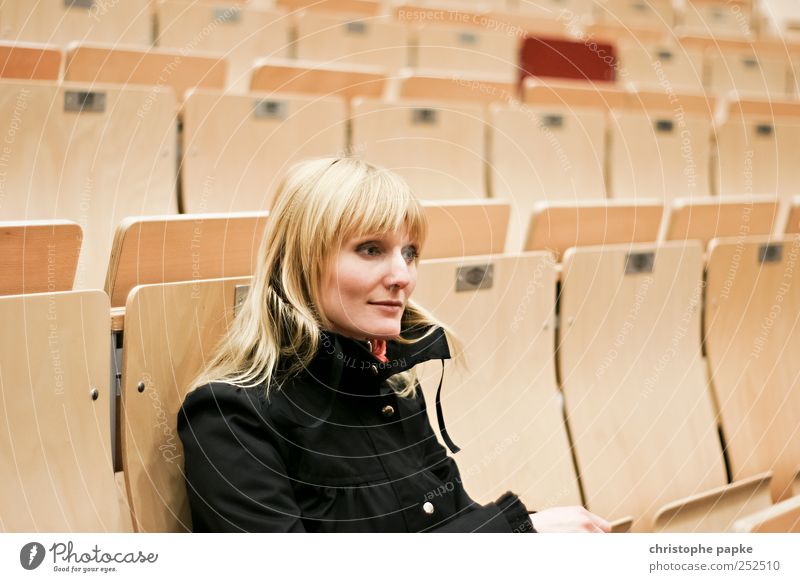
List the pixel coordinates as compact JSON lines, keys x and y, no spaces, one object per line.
{"x":345,"y":366}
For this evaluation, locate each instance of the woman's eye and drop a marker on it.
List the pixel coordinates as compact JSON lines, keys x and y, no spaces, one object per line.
{"x":410,"y":254}
{"x":371,"y":250}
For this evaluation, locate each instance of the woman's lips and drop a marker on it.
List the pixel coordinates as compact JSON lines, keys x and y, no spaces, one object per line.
{"x":389,"y":307}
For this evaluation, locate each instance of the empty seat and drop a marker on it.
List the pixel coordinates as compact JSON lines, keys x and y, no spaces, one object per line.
{"x":169,"y":331}
{"x":29,"y":61}
{"x":61,"y":22}
{"x":502,"y":407}
{"x":747,"y":72}
{"x":780,"y":518}
{"x":717,"y":18}
{"x":38,"y":256}
{"x":580,"y":58}
{"x":314,"y":78}
{"x":542,"y":154}
{"x":89,"y":153}
{"x":437,"y":147}
{"x":458,"y":228}
{"x":144,"y":66}
{"x":55,"y":437}
{"x":557,"y":226}
{"x":654,"y":14}
{"x":366,"y":7}
{"x":412,"y":84}
{"x":241,"y":34}
{"x":651,"y":65}
{"x":757,"y":142}
{"x":703,"y":219}
{"x":660,"y":147}
{"x":188,"y":247}
{"x":552,"y":8}
{"x":634,"y":381}
{"x":752,"y":338}
{"x":450,"y":48}
{"x":236,"y":148}
{"x":335,"y":38}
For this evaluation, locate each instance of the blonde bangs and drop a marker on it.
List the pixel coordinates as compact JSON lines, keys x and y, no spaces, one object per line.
{"x":381,"y":202}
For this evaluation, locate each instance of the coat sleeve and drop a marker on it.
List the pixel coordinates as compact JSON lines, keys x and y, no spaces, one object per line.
{"x":236,"y":480}
{"x":505,"y":515}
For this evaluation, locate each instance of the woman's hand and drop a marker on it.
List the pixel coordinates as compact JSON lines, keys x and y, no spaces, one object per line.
{"x":568,"y":519}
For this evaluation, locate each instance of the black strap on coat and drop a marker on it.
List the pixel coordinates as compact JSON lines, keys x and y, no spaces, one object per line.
{"x":440,"y":417}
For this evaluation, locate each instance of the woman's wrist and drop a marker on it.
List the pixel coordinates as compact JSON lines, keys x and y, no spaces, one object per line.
{"x":515,"y":513}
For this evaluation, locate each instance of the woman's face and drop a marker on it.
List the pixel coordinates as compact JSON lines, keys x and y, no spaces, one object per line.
{"x":367,"y":286}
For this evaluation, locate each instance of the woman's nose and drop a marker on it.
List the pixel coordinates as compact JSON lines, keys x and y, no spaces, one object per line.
{"x":399,"y":273}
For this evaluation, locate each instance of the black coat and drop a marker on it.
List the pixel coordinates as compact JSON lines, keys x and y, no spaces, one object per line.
{"x":334,"y":450}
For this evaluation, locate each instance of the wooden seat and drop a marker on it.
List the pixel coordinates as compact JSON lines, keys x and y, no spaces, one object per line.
{"x":473,"y":51}
{"x":92,"y":154}
{"x":242,"y":34}
{"x":29,"y":61}
{"x":56,"y":430}
{"x":38,"y":256}
{"x":459,"y":228}
{"x":542,"y":154}
{"x":59,"y":22}
{"x":437,"y":147}
{"x":660,"y":65}
{"x":704,"y":219}
{"x":169,"y":330}
{"x":654,"y":14}
{"x":236,"y":148}
{"x":96,"y":63}
{"x":575,"y":94}
{"x":634,"y":382}
{"x":717,"y":18}
{"x":164,"y":249}
{"x":557,"y":226}
{"x":660,"y":147}
{"x":339,"y":39}
{"x":502,"y":406}
{"x":365,"y":7}
{"x":756,"y":145}
{"x":780,"y":518}
{"x":752,"y":339}
{"x":747,"y":72}
{"x":313,"y":78}
{"x":415,"y":84}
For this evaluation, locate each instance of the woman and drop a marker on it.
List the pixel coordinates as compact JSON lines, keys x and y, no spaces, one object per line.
{"x":309,"y":417}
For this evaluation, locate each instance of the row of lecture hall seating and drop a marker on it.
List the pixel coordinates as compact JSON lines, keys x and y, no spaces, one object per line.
{"x":97,"y":153}
{"x":239,"y":37}
{"x":653,"y":410}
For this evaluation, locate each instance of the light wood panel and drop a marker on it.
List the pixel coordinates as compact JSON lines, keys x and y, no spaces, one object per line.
{"x":502,"y":406}
{"x":702,"y":219}
{"x":237,"y":148}
{"x":55,"y":442}
{"x":242,"y":34}
{"x":460,"y":228}
{"x":573,"y":94}
{"x":752,"y":338}
{"x":654,"y":14}
{"x":334,"y":38}
{"x":633,"y":377}
{"x":757,"y":141}
{"x":747,"y":73}
{"x":92,"y":154}
{"x":780,"y":518}
{"x":558,"y":226}
{"x":54,"y":22}
{"x":38,"y":256}
{"x":310,"y":77}
{"x":170,"y":330}
{"x":793,"y":218}
{"x":455,"y":86}
{"x":29,"y":61}
{"x":437,"y":147}
{"x":95,"y":63}
{"x":717,"y":18}
{"x":367,"y":7}
{"x":542,"y":154}
{"x":660,"y":65}
{"x":163,"y":249}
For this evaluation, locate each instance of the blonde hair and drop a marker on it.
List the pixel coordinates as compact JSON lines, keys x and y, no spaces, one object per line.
{"x":320,"y":204}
